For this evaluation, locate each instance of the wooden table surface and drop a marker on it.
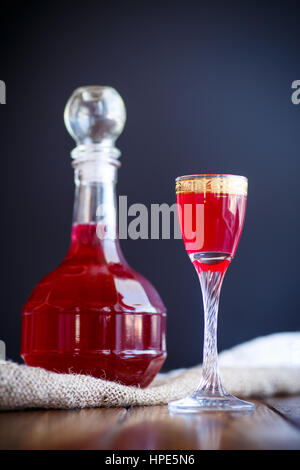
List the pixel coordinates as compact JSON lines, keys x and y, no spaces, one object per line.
{"x":275,"y":424}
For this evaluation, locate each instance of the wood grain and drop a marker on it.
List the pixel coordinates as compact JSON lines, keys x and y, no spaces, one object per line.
{"x":289,"y":407}
{"x":154,"y":428}
{"x":56,"y":429}
{"x":275,"y":424}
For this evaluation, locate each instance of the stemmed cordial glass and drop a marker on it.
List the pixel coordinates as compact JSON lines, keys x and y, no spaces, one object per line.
{"x":211,"y":211}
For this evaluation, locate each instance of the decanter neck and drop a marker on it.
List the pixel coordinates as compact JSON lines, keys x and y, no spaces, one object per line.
{"x":95,"y":197}
{"x":95,"y":117}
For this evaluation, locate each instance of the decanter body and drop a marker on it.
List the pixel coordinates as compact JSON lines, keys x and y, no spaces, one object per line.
{"x":94,"y":314}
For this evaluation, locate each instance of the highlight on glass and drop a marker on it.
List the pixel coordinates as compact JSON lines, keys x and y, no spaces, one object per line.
{"x":211,"y":212}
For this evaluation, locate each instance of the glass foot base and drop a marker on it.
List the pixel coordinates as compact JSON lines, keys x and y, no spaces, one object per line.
{"x":201,"y":402}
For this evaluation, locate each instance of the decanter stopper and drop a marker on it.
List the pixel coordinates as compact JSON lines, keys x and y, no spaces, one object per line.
{"x":95,"y":117}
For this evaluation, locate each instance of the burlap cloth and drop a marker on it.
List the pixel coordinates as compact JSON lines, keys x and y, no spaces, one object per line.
{"x":262,"y":367}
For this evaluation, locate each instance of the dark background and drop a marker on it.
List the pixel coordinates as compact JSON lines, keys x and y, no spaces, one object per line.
{"x":207,"y":87}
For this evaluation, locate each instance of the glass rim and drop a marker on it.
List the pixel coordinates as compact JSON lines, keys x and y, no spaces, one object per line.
{"x":212,"y":183}
{"x":209,"y":175}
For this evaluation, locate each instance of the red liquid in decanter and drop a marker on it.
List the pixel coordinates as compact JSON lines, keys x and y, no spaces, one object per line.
{"x":95,"y":315}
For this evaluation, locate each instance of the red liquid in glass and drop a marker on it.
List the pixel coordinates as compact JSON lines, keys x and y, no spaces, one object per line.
{"x":95,"y":315}
{"x":219,"y":227}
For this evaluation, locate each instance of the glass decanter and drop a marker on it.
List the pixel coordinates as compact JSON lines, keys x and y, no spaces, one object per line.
{"x":94,"y":314}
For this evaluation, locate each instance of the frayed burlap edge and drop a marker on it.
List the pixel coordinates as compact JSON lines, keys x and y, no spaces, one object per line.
{"x":24,"y":387}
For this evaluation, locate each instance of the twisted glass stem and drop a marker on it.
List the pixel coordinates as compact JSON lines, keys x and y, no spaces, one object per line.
{"x":210,"y":384}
